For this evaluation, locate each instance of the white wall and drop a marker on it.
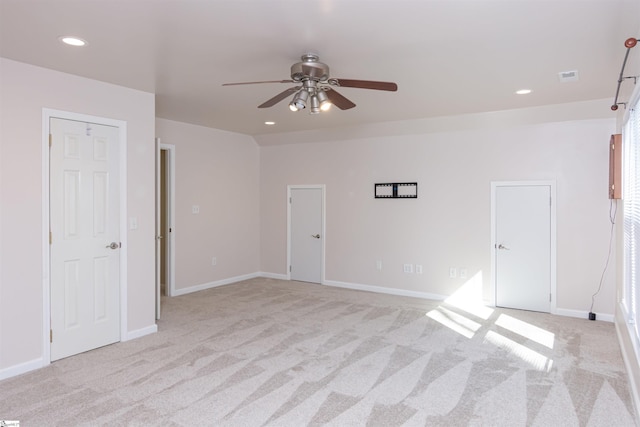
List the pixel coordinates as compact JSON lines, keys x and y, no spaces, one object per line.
{"x":449,"y":223}
{"x":241,"y":191}
{"x":217,"y":171}
{"x":24,"y":91}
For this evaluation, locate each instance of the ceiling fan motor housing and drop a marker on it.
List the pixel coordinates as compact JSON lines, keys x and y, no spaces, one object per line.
{"x":309,"y":69}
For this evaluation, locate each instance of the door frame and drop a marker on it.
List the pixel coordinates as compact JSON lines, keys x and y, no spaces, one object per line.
{"x":552,"y":190}
{"x":47,"y":115}
{"x":169,"y":263}
{"x":322,"y":188}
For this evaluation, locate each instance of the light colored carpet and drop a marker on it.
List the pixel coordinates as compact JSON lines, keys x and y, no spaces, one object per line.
{"x":270,"y":352}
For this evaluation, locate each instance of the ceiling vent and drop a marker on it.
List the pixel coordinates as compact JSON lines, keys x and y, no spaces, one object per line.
{"x":568,"y":76}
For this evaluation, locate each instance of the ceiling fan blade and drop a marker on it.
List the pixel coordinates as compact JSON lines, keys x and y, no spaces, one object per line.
{"x":365,"y":84}
{"x":279,"y":97}
{"x":255,"y":83}
{"x":338,"y":100}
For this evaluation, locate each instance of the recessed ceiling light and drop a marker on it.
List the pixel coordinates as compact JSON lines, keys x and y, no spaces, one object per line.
{"x":523,"y":91}
{"x":269,"y":123}
{"x":72,"y":41}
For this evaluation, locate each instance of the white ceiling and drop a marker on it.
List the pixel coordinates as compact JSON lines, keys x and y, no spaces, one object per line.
{"x":447,"y":57}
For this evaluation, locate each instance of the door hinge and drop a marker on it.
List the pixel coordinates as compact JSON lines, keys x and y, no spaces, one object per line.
{"x":50,"y":238}
{"x":289,"y":200}
{"x":549,"y":297}
{"x":50,"y":140}
{"x":289,"y":269}
{"x":50,"y":335}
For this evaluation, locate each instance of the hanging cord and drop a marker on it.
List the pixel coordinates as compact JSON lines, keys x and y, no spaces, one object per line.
{"x":612,"y":219}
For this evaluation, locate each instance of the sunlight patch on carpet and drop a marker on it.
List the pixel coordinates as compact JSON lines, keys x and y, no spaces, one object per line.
{"x":526,"y":330}
{"x":535,"y":359}
{"x":457,"y":323}
{"x":469,"y":298}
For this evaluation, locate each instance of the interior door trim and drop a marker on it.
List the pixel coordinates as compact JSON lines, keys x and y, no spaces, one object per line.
{"x":48,"y":114}
{"x":553,"y":266}
{"x":323,"y":232}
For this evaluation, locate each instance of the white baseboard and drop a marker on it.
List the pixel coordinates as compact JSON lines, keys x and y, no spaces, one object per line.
{"x":152,"y":329}
{"x":215,"y":284}
{"x":384,"y":290}
{"x":229,"y":281}
{"x":32,"y":365}
{"x":21,"y":368}
{"x":604,"y":317}
{"x":273,"y":275}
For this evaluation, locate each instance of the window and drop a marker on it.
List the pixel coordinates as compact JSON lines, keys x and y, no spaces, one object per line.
{"x":631,"y":290}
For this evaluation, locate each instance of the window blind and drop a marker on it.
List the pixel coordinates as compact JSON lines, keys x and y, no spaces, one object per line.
{"x":631,"y":195}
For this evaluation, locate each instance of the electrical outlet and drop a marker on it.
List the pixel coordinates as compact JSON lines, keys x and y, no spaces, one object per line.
{"x":453,"y":272}
{"x":195,"y":209}
{"x":408,"y":268}
{"x":214,"y":261}
{"x":418,"y":269}
{"x":379,"y":265}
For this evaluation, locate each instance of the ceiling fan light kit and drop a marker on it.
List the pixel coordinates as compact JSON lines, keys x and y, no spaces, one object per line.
{"x":317,"y":88}
{"x":323,"y":99}
{"x":299,"y":101}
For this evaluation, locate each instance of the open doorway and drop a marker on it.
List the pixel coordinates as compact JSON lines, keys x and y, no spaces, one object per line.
{"x":165,"y":247}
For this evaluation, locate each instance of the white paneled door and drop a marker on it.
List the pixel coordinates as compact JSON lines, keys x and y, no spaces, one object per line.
{"x":85,"y":236}
{"x":523,"y":247}
{"x":306,"y":235}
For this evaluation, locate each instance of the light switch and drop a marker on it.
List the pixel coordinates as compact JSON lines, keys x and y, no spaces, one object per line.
{"x":133,"y":223}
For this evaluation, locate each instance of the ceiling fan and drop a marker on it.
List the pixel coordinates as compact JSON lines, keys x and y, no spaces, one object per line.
{"x":316,"y":87}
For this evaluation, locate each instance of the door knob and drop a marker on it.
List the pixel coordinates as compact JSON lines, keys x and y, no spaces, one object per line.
{"x":113,"y":245}
{"x":315,"y":236}
{"x":501,"y":246}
